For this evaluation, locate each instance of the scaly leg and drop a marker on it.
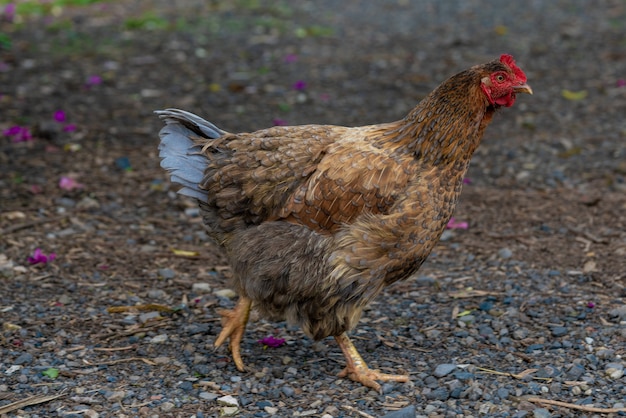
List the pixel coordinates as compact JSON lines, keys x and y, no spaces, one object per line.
{"x":234,"y":324}
{"x":357,"y":370}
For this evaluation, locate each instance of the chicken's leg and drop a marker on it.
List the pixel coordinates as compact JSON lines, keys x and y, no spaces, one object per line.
{"x":234,"y":324}
{"x":357,"y":370}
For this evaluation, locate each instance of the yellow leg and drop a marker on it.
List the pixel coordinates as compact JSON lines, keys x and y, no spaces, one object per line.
{"x":357,"y":370}
{"x":234,"y":324}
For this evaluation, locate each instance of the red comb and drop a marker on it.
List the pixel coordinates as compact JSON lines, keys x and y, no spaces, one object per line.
{"x":508,"y":60}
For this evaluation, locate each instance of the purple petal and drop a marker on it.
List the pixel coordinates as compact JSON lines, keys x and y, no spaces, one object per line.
{"x":94,"y":80}
{"x":59,"y":116}
{"x":272,"y":342}
{"x":291,"y":58}
{"x":299,"y":85}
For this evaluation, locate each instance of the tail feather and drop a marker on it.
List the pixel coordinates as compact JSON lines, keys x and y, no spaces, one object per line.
{"x":180,"y":156}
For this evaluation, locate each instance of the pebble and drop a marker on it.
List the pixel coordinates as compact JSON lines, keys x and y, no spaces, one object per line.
{"x":505,"y":253}
{"x":167,"y":406}
{"x":158,"y":339}
{"x":228,"y":400}
{"x":444,"y":369}
{"x":24,"y":358}
{"x":288,"y":391}
{"x":407,"y":412}
{"x":225,"y":293}
{"x":201,"y":288}
{"x":208,"y":396}
{"x":147,"y":316}
{"x":541,"y":413}
{"x":186,"y":386}
{"x":614,"y":370}
{"x":167,"y":273}
{"x":115,"y":396}
{"x":271,"y":410}
{"x":559,"y":331}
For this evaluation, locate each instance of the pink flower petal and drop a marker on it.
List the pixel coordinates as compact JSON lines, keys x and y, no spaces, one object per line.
{"x":68,"y":183}
{"x":454,"y":224}
{"x":39,"y":257}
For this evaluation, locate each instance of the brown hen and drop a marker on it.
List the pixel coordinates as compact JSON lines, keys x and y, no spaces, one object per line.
{"x":316,"y":220}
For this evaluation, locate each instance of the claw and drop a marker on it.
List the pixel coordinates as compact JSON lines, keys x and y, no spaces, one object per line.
{"x":357,"y":370}
{"x":234,"y":324}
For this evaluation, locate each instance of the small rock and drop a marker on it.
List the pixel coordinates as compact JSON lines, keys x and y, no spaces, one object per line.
{"x":162,"y":360}
{"x":263,"y":404}
{"x":186,"y":386}
{"x":167,"y":406}
{"x":541,"y":413}
{"x":408,"y":412}
{"x":229,"y":411}
{"x":208,"y":396}
{"x":24,"y":358}
{"x":225,"y":293}
{"x":444,"y":369}
{"x":167,"y":273}
{"x":227,"y":400}
{"x":440,"y":394}
{"x":116,"y":396}
{"x":87,"y":203}
{"x":158,"y":339}
{"x":271,"y":410}
{"x":467,"y":319}
{"x":156,"y":294}
{"x":90,"y":413}
{"x":145,"y":317}
{"x":505,"y":253}
{"x":201,"y":288}
{"x":619,"y":312}
{"x":614,"y":370}
{"x":192,"y":212}
{"x":288,"y":391}
{"x":520,"y":333}
{"x":559,"y":331}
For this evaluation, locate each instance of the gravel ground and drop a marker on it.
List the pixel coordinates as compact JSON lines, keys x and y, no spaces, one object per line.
{"x":521,"y":315}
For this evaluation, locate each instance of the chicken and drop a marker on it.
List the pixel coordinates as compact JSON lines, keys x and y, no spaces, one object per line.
{"x":316,"y":220}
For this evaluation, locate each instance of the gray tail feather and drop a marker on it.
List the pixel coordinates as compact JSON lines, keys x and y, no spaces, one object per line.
{"x":180,"y":156}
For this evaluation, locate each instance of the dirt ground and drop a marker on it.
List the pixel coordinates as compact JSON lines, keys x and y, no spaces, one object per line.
{"x":545,"y":203}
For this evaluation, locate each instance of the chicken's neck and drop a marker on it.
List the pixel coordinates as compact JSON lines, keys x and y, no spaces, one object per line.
{"x":445,"y":128}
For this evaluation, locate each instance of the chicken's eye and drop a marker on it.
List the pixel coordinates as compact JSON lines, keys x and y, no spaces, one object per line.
{"x":500,"y":78}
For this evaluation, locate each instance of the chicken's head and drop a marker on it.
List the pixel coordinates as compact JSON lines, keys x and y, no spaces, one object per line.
{"x":501,"y":86}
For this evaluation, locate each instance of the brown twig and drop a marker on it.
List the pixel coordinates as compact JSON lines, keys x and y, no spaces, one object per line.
{"x":30,"y":224}
{"x":122,"y":360}
{"x":577,"y":407}
{"x":145,"y":307}
{"x":520,"y":375}
{"x":107,"y":350}
{"x":32,"y":400}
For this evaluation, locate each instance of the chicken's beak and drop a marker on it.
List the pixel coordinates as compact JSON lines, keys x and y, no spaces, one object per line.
{"x":523,"y":88}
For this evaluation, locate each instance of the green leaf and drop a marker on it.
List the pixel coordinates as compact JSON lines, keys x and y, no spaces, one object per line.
{"x":52,"y":373}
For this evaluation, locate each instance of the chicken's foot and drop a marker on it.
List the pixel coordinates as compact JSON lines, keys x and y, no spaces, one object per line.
{"x":234,"y":324}
{"x":357,"y":370}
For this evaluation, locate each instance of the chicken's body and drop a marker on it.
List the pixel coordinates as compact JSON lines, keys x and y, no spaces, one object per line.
{"x":316,"y":220}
